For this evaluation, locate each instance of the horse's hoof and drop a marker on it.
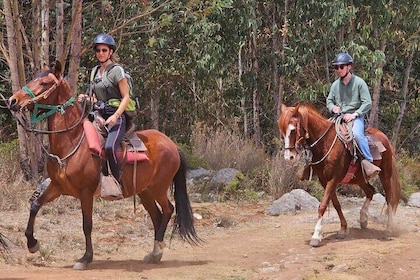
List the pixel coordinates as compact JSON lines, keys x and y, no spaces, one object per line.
{"x":79,"y":266}
{"x":315,"y":242}
{"x":150,"y":258}
{"x":35,"y":248}
{"x":341,"y":234}
{"x":363,"y":225}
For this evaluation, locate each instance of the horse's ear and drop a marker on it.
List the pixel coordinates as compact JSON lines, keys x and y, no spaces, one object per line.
{"x":283,"y":107}
{"x":56,"y":69}
{"x":303,"y":115}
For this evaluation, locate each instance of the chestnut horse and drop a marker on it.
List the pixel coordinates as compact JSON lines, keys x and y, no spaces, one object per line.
{"x":304,"y":128}
{"x":75,"y":171}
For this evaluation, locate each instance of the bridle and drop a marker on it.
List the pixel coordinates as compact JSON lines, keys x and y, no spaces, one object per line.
{"x":301,"y":142}
{"x":51,"y":109}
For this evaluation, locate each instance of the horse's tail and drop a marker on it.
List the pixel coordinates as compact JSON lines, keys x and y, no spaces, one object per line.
{"x":184,"y":220}
{"x":394,"y":196}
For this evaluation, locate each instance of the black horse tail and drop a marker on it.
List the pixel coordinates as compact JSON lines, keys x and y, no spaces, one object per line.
{"x":184,"y":220}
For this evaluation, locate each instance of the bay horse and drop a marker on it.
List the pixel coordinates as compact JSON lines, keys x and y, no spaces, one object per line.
{"x":73,"y":169}
{"x":304,"y":128}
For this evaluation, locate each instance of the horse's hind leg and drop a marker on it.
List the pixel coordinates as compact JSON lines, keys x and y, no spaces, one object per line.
{"x":343,"y":229}
{"x":160,"y":222}
{"x":46,"y":196}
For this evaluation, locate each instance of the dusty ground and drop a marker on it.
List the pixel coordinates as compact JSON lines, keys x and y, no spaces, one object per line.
{"x":241,"y":243}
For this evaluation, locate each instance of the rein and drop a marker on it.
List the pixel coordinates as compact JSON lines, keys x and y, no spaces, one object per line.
{"x":308,"y":148}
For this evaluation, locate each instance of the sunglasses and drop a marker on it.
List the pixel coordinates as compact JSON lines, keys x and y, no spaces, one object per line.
{"x":101,"y":50}
{"x":339,"y":66}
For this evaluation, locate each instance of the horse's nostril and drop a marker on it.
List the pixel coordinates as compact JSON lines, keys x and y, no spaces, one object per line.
{"x":13,"y":104}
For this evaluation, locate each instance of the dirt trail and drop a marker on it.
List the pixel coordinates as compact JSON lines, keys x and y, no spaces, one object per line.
{"x":241,"y":243}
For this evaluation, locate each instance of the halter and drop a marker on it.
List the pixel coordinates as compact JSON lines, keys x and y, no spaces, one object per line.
{"x":52,"y":109}
{"x":307,"y":148}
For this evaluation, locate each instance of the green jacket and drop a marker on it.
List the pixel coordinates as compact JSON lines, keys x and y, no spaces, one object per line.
{"x":353,"y":97}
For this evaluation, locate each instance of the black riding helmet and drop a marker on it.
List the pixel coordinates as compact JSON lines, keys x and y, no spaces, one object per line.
{"x":343,"y":59}
{"x":106,"y":40}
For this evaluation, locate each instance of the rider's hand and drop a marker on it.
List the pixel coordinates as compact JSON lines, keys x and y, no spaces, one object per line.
{"x":112,"y":120}
{"x":350,"y":117}
{"x":81,"y":97}
{"x":336,"y":110}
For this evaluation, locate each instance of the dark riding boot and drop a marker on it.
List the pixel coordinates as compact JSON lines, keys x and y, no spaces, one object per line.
{"x":370,"y":169}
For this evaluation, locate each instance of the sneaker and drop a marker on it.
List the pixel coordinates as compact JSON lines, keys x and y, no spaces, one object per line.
{"x":370,"y":169}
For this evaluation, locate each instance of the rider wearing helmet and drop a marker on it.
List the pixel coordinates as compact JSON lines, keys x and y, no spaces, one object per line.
{"x":115,"y":120}
{"x":349,"y":95}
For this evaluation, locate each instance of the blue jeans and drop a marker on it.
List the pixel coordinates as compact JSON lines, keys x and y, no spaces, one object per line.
{"x":359,"y":135}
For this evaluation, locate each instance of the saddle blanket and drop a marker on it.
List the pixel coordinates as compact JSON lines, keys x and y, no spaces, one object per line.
{"x":134,"y":149}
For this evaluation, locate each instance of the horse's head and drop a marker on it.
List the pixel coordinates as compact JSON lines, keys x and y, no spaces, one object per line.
{"x":293,"y":125}
{"x":38,"y":90}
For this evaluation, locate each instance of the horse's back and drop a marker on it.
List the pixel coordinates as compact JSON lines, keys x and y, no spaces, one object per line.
{"x":380,"y":136}
{"x":153,"y":138}
{"x":161,"y":150}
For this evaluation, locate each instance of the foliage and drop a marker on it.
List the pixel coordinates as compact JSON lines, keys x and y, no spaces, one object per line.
{"x":185,"y":58}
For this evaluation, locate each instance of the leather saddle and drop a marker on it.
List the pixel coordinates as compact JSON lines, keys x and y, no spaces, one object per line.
{"x":375,"y":146}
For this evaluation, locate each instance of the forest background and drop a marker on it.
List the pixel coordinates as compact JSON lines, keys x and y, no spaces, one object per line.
{"x":212,"y":74}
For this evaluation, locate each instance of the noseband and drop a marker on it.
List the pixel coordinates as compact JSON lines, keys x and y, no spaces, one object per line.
{"x":51,"y":109}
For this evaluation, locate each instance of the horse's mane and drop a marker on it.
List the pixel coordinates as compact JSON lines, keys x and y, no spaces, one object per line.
{"x":311,"y":110}
{"x":301,"y":111}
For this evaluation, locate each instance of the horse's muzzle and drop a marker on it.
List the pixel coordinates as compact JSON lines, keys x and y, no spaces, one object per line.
{"x":12,"y":104}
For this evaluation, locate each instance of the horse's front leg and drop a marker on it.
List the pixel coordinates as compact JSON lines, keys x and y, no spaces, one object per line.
{"x":87,"y":206}
{"x":317,"y":236}
{"x":41,"y":196}
{"x":343,"y":230}
{"x":32,"y":243}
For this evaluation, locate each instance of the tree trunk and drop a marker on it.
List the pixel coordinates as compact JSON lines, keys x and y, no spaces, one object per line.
{"x":283,"y":56}
{"x":373,"y":116}
{"x":154,"y":108}
{"x":404,"y":90}
{"x":59,"y":29}
{"x":45,"y":28}
{"x":241,"y":85}
{"x":76,"y":45}
{"x":276,"y":50}
{"x":15,"y":55}
{"x":256,"y":94}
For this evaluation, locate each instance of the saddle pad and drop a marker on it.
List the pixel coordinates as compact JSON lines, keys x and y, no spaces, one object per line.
{"x":131,"y":157}
{"x":95,"y":145}
{"x":376,"y":147}
{"x":92,"y":137}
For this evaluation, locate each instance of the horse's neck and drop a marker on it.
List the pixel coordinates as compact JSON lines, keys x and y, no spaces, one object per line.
{"x":317,"y":129}
{"x":68,"y":126}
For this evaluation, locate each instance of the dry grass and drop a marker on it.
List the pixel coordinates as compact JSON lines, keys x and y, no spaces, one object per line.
{"x":226,"y":148}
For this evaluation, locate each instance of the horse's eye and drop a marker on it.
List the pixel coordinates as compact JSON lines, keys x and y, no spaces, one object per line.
{"x":44,"y":84}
